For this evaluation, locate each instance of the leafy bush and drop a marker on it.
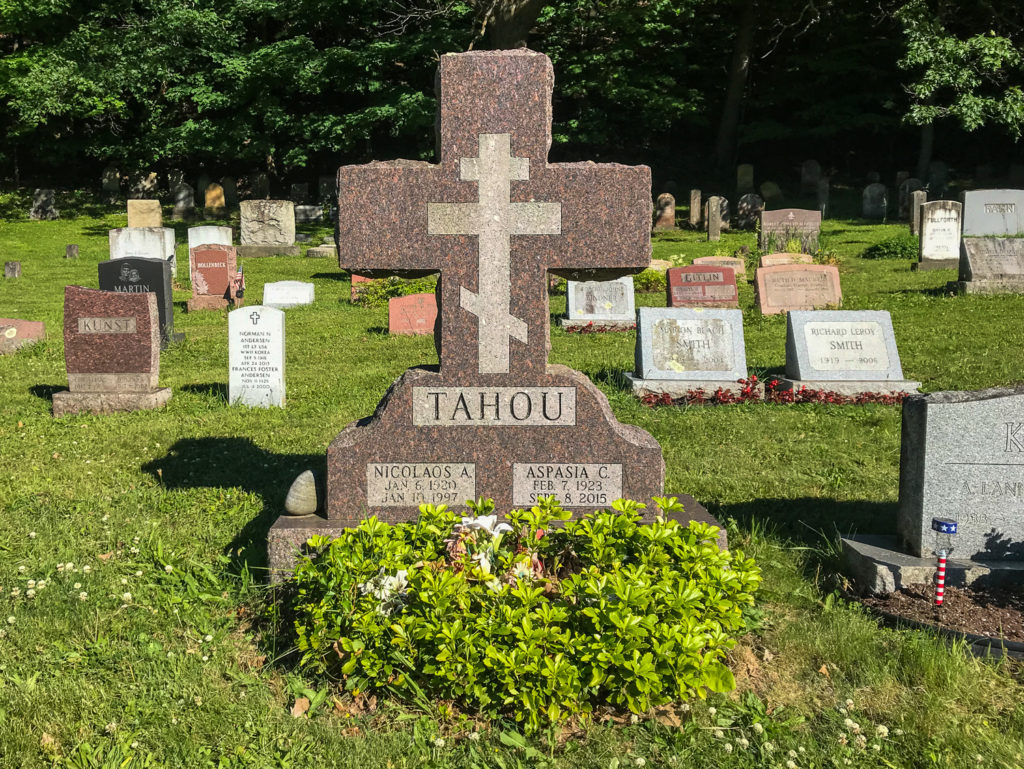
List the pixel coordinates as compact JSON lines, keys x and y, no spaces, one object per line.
{"x":904,"y":246}
{"x":649,"y":281}
{"x":376,"y":293}
{"x":523,"y":620}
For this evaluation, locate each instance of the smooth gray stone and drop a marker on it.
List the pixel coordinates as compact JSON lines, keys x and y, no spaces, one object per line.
{"x":302,"y":497}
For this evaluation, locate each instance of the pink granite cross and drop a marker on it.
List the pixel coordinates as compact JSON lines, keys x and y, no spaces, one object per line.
{"x":493,"y":216}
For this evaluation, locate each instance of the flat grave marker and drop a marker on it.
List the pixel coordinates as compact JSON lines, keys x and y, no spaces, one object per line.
{"x":701,"y":286}
{"x":414,"y":314}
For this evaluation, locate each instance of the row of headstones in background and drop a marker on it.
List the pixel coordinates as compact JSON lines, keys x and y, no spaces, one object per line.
{"x":992,"y":247}
{"x":683,"y":349}
{"x":216,"y":195}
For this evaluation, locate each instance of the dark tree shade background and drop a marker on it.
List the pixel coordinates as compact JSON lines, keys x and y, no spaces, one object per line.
{"x":295,"y":88}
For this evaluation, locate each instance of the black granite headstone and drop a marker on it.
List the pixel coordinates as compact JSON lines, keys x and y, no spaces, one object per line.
{"x":136,"y":275}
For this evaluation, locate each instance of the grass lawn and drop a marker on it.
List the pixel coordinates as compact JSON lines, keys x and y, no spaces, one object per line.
{"x":150,"y":644}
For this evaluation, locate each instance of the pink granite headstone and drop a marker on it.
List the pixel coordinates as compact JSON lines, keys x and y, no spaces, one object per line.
{"x":797,"y":287}
{"x":700,"y":286}
{"x":15,"y":333}
{"x":413,"y":314}
{"x":214,"y":270}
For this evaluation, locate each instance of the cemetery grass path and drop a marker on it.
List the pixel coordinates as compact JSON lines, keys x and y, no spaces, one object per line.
{"x":150,"y":647}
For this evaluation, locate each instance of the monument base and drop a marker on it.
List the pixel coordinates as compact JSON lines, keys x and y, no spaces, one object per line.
{"x":605,"y":325}
{"x":258,"y":251}
{"x":1007,"y":286}
{"x":289,"y":533}
{"x":936,"y":264}
{"x":679,"y":388}
{"x":849,"y":387}
{"x":212,"y":303}
{"x":322,"y":252}
{"x":876,"y":566}
{"x":68,"y":402}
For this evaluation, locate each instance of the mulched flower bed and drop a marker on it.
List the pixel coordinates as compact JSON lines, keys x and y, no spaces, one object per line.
{"x":996,"y":613}
{"x":591,"y":328}
{"x":751,"y":393}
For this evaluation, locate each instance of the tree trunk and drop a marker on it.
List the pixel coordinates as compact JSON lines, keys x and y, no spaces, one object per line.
{"x":508,"y":22}
{"x":924,"y":156}
{"x":739,"y":68}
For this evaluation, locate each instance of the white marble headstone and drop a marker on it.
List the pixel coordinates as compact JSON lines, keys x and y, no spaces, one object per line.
{"x":256,"y":356}
{"x":144,"y":242}
{"x":599,"y":300}
{"x":288,"y":293}
{"x":209,"y":235}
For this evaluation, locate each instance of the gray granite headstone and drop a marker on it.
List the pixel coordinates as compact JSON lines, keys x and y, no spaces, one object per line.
{"x":601,"y":302}
{"x":267,"y":228}
{"x":991,"y":266}
{"x":779,"y":228}
{"x":748,"y":210}
{"x":903,"y":195}
{"x":875,"y":201}
{"x":144,"y":242}
{"x":696,"y":210}
{"x":184,"y":202}
{"x":680,"y":349}
{"x":993,"y":212}
{"x":844,"y":351}
{"x":44,"y":205}
{"x":304,"y":214}
{"x":940,"y":235}
{"x":256,"y":356}
{"x":962,"y":457}
{"x":917,"y":200}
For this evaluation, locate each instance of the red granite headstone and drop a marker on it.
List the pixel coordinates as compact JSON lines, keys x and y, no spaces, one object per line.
{"x":699,"y":286}
{"x":214,"y":270}
{"x":797,"y":287}
{"x":413,"y":314}
{"x":15,"y":333}
{"x":493,"y":216}
{"x":112,"y":352}
{"x":356,"y":280}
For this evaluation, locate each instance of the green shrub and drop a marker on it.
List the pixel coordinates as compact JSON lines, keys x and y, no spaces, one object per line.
{"x":649,"y":281}
{"x":903,"y":246}
{"x":522,"y":619}
{"x":376,"y":293}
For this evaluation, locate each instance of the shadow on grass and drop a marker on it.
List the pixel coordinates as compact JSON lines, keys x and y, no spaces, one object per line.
{"x":330,"y":275}
{"x":45,"y":392}
{"x":217,"y":390}
{"x":226,"y":463}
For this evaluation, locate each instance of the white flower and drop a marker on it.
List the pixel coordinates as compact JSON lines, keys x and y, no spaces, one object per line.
{"x":124,"y":581}
{"x":86,"y":569}
{"x":168,"y":568}
{"x":641,"y":761}
{"x":111,"y":727}
{"x":801,"y":749}
{"x":206,"y":658}
{"x":31,"y":535}
{"x":791,"y":754}
{"x":791,"y":765}
{"x":21,"y":570}
{"x":861,"y":741}
{"x":16,"y":592}
{"x":483,"y":562}
{"x":684,"y":708}
{"x":41,"y":584}
{"x":718,"y":733}
{"x":105,"y":518}
{"x":126,"y":597}
{"x":10,"y":620}
{"x":138,"y":574}
{"x":743,"y":742}
{"x":847,"y":762}
{"x":207,"y":638}
{"x":30,"y":593}
{"x":882,"y":731}
{"x":875,"y":746}
{"x":842,"y":711}
{"x":758,"y":729}
{"x":439,"y":742}
{"x":69,"y":566}
{"x":83,"y":595}
{"x":31,"y":583}
{"x":475,"y":736}
{"x":712,"y":711}
{"x":488,"y":523}
{"x":849,"y":703}
{"x":77,"y":586}
{"x":768,"y":747}
{"x":133,"y":550}
{"x":728,"y":747}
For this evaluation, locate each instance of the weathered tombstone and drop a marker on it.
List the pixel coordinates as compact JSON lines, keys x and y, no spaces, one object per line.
{"x":748,"y":211}
{"x":744,"y":179}
{"x":214,"y":205}
{"x":796,"y":287}
{"x":787,"y":227}
{"x":323,"y":251}
{"x":695,"y":208}
{"x":822,"y":195}
{"x":904,"y":191}
{"x":940,"y":235}
{"x":698,"y":286}
{"x":16,"y":333}
{"x":737,"y":265}
{"x":771,"y":192}
{"x":112,"y":353}
{"x":848,"y":352}
{"x":71,"y":251}
{"x":268,"y":228}
{"x":146,"y":242}
{"x":875,"y":201}
{"x":215,"y":277}
{"x":12,"y":270}
{"x":917,"y":199}
{"x":135,"y":275}
{"x":44,"y":205}
{"x":414,"y":314}
{"x":230,"y":185}
{"x":260,"y":184}
{"x":144,"y":213}
{"x":299,"y":193}
{"x":606,"y":303}
{"x":305,"y":214}
{"x":679,"y":350}
{"x":991,"y":266}
{"x":202,"y":183}
{"x":962,"y":458}
{"x":774,"y":260}
{"x":209,"y":234}
{"x":665,"y":217}
{"x":110,"y":184}
{"x":288,"y":293}
{"x":495,"y":420}
{"x":256,"y":357}
{"x":810,"y":176}
{"x":993,"y":212}
{"x":184,"y":202}
{"x":714,"y":217}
